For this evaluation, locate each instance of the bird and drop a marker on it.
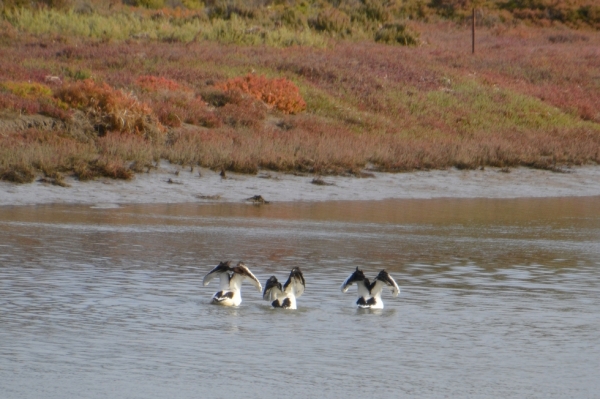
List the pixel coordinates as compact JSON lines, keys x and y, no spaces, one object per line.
{"x":230,"y":284}
{"x":285,"y":296}
{"x":369,"y":294}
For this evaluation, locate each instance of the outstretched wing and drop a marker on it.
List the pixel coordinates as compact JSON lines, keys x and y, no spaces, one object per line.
{"x":295,"y":283}
{"x":349,"y":281}
{"x":383,"y":279}
{"x":241,"y":273}
{"x":273,"y":290}
{"x":222,"y":271}
{"x":361,"y":281}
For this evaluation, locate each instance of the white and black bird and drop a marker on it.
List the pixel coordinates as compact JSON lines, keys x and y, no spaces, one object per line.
{"x":230,"y":282}
{"x":369,"y":294}
{"x":285,"y":296}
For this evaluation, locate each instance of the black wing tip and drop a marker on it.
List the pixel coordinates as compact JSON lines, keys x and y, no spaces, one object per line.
{"x":355,"y":277}
{"x":358,"y":275}
{"x":383,"y":273}
{"x":271,"y":282}
{"x":385,"y":277}
{"x":296,"y":272}
{"x":223,"y":265}
{"x":389,"y":281}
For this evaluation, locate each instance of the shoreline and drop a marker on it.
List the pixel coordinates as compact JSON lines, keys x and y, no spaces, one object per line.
{"x":172,"y":184}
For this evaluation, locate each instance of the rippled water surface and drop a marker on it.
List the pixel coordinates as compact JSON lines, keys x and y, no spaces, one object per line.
{"x":500,"y":298}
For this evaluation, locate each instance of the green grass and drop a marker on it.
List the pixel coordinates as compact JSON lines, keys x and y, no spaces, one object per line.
{"x":131,"y":25}
{"x":489,"y":109}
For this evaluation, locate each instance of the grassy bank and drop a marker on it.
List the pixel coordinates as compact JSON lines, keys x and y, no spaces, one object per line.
{"x":112,"y":92}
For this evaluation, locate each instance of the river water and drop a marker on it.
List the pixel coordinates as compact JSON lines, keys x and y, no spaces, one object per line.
{"x":499,"y":299}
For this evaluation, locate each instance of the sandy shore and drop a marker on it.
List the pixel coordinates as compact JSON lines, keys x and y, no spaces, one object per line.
{"x":173,"y":184}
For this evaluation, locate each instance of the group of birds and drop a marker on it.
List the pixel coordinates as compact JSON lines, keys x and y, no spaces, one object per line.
{"x":284,"y":296}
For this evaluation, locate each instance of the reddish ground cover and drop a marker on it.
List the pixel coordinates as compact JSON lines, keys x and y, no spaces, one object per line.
{"x":528,"y":96}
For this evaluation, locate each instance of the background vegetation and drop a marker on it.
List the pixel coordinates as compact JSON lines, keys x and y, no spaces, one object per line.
{"x":99,"y":88}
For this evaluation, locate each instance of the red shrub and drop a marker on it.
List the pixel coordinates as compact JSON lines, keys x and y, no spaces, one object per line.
{"x":279,"y":93}
{"x":109,"y":109}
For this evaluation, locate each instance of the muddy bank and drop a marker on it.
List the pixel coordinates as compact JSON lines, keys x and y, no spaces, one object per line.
{"x":173,"y":184}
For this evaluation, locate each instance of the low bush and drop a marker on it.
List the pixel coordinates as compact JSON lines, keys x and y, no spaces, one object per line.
{"x":113,"y":168}
{"x":20,"y":173}
{"x":396,"y":33}
{"x":281,"y":93}
{"x":110,"y":109}
{"x":292,"y":18}
{"x":331,"y":20}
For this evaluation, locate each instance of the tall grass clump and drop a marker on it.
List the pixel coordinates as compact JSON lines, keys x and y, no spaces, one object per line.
{"x":396,"y":33}
{"x":332,"y":20}
{"x":25,"y":154}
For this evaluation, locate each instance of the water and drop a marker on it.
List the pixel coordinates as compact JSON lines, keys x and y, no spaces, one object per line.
{"x":500,"y":298}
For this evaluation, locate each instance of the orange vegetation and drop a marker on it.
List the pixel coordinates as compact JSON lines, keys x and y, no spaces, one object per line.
{"x":279,"y":93}
{"x":109,"y":109}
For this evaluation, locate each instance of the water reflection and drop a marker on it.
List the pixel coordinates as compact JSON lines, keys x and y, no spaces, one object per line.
{"x":499,"y":299}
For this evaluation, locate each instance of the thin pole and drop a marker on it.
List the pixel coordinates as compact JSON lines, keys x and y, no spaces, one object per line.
{"x":473,"y":32}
